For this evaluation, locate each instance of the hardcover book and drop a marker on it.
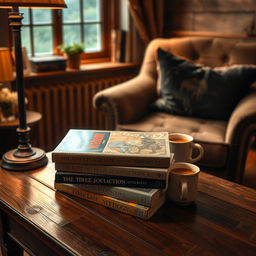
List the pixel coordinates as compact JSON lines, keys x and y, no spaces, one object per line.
{"x":121,"y":148}
{"x":129,"y":171}
{"x":109,"y":180}
{"x":46,"y":64}
{"x":130,"y":208}
{"x":144,"y":196}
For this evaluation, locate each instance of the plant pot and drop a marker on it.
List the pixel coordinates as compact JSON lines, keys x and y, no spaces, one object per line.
{"x":73,"y":60}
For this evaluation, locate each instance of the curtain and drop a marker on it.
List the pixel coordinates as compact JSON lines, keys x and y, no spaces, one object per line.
{"x":148,"y":16}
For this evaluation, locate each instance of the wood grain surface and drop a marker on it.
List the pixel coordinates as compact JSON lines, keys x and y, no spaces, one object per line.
{"x":222,"y":221}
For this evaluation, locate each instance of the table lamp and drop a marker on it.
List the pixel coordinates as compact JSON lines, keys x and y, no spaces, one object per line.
{"x":24,"y":157}
{"x":6,"y":72}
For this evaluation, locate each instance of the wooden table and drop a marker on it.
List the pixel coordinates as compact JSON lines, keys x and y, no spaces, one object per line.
{"x":45,"y":222}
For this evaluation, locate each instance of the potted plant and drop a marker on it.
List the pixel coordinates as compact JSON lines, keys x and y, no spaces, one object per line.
{"x":8,"y":105}
{"x":73,"y":53}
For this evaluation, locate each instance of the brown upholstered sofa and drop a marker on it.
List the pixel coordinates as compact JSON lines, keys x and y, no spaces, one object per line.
{"x":225,"y":142}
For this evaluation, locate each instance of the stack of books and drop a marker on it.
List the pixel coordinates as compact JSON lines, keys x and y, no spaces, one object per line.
{"x":123,"y":170}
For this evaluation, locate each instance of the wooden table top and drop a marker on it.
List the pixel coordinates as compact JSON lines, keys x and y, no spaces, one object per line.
{"x":221,"y":222}
{"x":32,"y":118}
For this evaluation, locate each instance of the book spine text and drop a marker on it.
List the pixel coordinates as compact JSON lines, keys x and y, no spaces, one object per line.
{"x":119,"y":205}
{"x":127,"y":195}
{"x":139,"y":172}
{"x":94,"y":179}
{"x":100,"y":159}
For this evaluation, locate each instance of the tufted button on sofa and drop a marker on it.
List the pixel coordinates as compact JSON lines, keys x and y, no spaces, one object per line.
{"x":127,"y":105}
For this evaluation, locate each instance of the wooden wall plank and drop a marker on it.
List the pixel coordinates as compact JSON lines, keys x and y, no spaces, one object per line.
{"x":227,"y":17}
{"x":222,"y":22}
{"x":212,"y":5}
{"x":181,"y":21}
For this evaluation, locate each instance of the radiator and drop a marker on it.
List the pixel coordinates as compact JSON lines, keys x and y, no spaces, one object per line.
{"x":64,"y":107}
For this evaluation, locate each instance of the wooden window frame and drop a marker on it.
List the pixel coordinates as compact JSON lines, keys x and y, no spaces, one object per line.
{"x":106,"y":9}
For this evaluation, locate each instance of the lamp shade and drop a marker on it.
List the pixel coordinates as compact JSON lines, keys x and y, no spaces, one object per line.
{"x":6,"y":71}
{"x":33,"y":3}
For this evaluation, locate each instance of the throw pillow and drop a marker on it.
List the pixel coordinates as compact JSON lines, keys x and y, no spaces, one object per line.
{"x":193,"y":90}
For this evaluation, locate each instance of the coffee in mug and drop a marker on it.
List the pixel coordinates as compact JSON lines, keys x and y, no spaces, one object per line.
{"x":182,"y":183}
{"x":182,"y":171}
{"x":176,"y":139}
{"x":182,"y":146}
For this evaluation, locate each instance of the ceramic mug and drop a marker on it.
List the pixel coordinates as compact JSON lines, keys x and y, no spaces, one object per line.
{"x":182,"y":183}
{"x":182,"y":146}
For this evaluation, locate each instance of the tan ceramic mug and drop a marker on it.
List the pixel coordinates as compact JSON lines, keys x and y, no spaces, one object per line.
{"x":182,"y":146}
{"x":182,"y":182}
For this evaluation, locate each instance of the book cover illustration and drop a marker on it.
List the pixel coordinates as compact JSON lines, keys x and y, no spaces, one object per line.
{"x":123,"y":148}
{"x":115,"y":142}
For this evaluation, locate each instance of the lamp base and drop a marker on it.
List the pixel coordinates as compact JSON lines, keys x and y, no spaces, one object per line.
{"x":24,"y":163}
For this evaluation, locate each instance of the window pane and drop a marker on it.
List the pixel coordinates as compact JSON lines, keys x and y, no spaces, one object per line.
{"x":72,"y":13}
{"x":91,"y":10}
{"x":92,"y":37}
{"x":71,"y":34}
{"x":43,"y":40}
{"x":25,"y":15}
{"x":26,"y":39}
{"x":42,"y":16}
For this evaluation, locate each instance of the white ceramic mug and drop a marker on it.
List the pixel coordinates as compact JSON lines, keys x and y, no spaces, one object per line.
{"x":182,"y":183}
{"x":182,"y":146}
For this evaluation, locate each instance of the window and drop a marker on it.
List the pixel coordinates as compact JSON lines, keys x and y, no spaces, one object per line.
{"x":85,"y":21}
{"x":37,"y":31}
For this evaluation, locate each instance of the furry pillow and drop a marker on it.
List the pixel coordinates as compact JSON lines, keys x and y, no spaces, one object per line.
{"x":192,"y":90}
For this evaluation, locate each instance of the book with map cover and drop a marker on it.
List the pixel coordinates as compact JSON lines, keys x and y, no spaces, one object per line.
{"x":137,"y":210}
{"x":118,"y":148}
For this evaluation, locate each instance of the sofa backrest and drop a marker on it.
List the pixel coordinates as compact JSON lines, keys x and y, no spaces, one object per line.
{"x":213,"y":52}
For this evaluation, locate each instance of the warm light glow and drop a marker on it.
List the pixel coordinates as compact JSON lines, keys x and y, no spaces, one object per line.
{"x":33,"y":3}
{"x":6,"y":72}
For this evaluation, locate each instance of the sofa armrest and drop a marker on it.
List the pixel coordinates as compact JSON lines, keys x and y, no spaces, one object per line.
{"x":126,"y":102}
{"x":243,"y":117}
{"x":241,"y":127}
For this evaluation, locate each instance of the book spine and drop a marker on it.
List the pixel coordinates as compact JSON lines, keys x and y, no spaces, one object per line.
{"x":122,"y":46}
{"x":119,"y":205}
{"x":138,"y":172}
{"x":114,"y":45}
{"x":119,"y":181}
{"x":133,"y":196}
{"x":110,"y":159}
{"x":128,"y":47}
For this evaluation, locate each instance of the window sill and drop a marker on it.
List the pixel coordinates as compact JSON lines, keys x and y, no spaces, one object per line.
{"x":95,"y":67}
{"x":85,"y":73}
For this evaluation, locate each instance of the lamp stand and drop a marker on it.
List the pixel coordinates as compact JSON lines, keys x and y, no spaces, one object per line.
{"x":25,"y":157}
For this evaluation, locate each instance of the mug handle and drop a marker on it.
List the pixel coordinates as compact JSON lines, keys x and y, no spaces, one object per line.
{"x":201,"y":152}
{"x":184,"y":190}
